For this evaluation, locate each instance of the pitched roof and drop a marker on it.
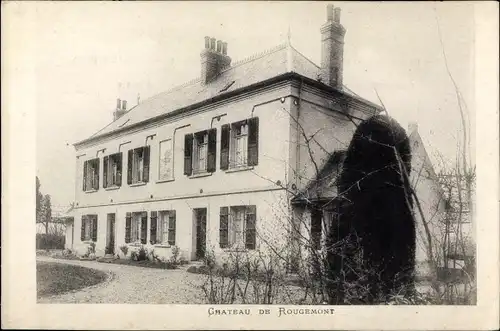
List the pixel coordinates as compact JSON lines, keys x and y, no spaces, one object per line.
{"x":324,"y":186}
{"x":257,"y":68}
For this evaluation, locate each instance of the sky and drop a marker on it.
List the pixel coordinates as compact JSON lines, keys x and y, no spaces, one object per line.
{"x":88,"y":54}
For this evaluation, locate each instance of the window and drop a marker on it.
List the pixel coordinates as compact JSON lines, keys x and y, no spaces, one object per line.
{"x":91,"y":175}
{"x":199,"y":152}
{"x":136,"y":227}
{"x":238,"y":155}
{"x":112,"y":174}
{"x":237,"y":227}
{"x":138,"y":165}
{"x":165,"y":228}
{"x":240,"y":144}
{"x":165,"y":163}
{"x":89,"y":228}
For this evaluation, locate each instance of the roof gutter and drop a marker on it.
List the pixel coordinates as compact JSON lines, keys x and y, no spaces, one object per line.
{"x":264,"y":83}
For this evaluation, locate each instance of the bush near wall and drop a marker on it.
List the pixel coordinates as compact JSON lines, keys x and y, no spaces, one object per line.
{"x":49,"y":241}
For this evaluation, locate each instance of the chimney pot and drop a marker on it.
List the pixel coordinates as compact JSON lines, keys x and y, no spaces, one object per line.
{"x":118,"y":104}
{"x":207,"y":42}
{"x":124,"y":104}
{"x":212,"y":43}
{"x":224,"y":48}
{"x":219,"y":46}
{"x":329,"y":12}
{"x":336,"y":15}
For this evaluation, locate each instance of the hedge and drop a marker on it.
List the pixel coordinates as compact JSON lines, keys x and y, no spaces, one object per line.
{"x":49,"y":241}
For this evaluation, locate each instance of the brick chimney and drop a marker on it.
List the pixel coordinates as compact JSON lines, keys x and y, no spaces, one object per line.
{"x":121,"y":109}
{"x":332,"y":48}
{"x":214,"y":59}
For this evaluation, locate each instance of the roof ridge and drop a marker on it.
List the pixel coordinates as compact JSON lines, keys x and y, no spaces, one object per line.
{"x":256,"y":56}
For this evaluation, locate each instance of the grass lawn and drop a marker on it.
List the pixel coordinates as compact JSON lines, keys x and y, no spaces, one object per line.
{"x":57,"y":278}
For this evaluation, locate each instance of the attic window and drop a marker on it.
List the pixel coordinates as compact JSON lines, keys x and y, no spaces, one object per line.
{"x":228,"y":85}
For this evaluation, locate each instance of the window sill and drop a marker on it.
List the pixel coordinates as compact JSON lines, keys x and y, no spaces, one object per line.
{"x":111,"y":188}
{"x":91,"y":191}
{"x":138,"y":184}
{"x":136,"y":244}
{"x":239,"y":168}
{"x":88,"y":242}
{"x":164,"y":180}
{"x":162,"y":245}
{"x":237,"y":250}
{"x":201,"y":174}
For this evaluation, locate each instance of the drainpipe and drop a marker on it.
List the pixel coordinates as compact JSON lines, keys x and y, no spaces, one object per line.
{"x":173,"y":147}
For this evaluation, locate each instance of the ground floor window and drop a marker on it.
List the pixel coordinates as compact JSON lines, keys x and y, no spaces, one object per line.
{"x":316,"y":228}
{"x":89,"y":228}
{"x":136,"y":227}
{"x":237,"y":227}
{"x":166,"y":227}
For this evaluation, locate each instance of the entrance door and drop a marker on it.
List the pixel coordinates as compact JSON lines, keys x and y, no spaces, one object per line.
{"x":110,"y":238}
{"x":201,"y":232}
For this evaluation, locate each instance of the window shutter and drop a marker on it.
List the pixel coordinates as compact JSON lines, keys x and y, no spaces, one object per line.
{"x":212,"y":150}
{"x":129,"y":166}
{"x":144,"y":227}
{"x":171,"y":228}
{"x":119,"y":169}
{"x":105,"y":171}
{"x":224,"y":147}
{"x":85,"y":176}
{"x":94,"y":228}
{"x":128,"y":222}
{"x":250,"y":230}
{"x":96,"y":181}
{"x":223,"y":227}
{"x":253,"y":141}
{"x":146,"y":164}
{"x":188,"y":154}
{"x":154,"y":225}
{"x":82,"y":234}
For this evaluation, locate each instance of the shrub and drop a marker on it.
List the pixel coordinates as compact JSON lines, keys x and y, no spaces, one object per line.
{"x":49,"y":241}
{"x":142,"y":254}
{"x":124,"y":249}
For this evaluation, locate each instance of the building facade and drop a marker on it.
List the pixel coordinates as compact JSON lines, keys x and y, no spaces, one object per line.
{"x":216,"y":164}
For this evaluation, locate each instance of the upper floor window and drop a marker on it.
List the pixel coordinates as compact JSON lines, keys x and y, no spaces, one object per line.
{"x":138,"y":165}
{"x":200,"y":151}
{"x":112,"y":174}
{"x":240,"y":144}
{"x":89,"y":228}
{"x":91,"y":175}
{"x":165,"y":169}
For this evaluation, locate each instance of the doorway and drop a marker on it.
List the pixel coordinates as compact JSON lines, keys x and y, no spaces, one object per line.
{"x":110,"y":238}
{"x":200,"y":216}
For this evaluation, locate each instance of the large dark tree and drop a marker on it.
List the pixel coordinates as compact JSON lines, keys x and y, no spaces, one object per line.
{"x":375,"y":215}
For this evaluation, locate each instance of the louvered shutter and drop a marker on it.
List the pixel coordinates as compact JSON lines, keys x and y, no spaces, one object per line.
{"x":250,"y":230}
{"x":144,"y":227}
{"x":154,"y":226}
{"x":224,"y":146}
{"x":253,"y":141}
{"x":119,"y":167}
{"x":128,"y":223}
{"x":188,"y":154}
{"x":85,"y":176}
{"x":82,"y":234}
{"x":94,"y":228}
{"x":129,"y":166}
{"x":105,"y":171}
{"x":96,"y":173}
{"x":223,"y":227}
{"x":171,"y":228}
{"x":212,"y":150}
{"x":146,"y":164}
